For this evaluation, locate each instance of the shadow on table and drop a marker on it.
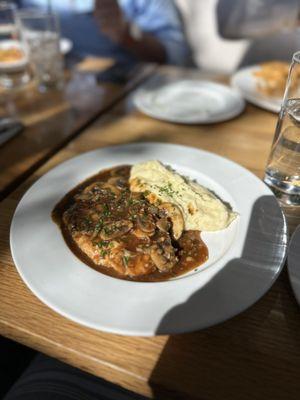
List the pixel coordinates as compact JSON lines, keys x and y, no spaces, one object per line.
{"x":246,"y":357}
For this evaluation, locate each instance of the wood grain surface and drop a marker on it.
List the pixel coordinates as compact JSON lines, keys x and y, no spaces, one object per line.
{"x":254,"y":356}
{"x":52,"y":119}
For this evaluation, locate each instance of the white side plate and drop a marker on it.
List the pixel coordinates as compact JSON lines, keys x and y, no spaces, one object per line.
{"x":189,"y":101}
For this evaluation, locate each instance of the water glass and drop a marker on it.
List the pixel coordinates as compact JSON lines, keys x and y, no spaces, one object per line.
{"x":41,"y":34}
{"x":282,"y":172}
{"x":14,"y":70}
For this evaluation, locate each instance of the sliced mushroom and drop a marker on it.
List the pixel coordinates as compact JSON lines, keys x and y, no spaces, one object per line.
{"x":112,"y":188}
{"x":92,"y":188}
{"x":153,"y":209}
{"x":118,"y":182}
{"x":97,"y":188}
{"x":142,"y":235}
{"x":145,"y":224}
{"x":83,"y":196}
{"x":163,"y":256}
{"x":115,"y":229}
{"x":163,"y":225}
{"x":176,"y":217}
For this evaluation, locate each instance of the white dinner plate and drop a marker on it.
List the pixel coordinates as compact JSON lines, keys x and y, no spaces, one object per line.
{"x":244,"y":259}
{"x":189,"y":101}
{"x":244,"y":81}
{"x":294,"y":263}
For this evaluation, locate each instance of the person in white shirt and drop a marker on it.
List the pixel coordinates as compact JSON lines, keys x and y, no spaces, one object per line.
{"x":227,"y":34}
{"x":149,"y":30}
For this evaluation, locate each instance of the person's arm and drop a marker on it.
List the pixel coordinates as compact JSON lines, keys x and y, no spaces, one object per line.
{"x":255,"y":18}
{"x":149,"y":29}
{"x":113,"y":23}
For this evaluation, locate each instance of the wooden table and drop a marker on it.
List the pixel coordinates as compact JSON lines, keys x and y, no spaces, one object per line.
{"x":255,"y":355}
{"x":54,"y":118}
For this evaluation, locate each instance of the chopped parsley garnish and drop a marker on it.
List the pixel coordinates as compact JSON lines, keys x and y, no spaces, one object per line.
{"x":103,"y":247}
{"x":102,"y":243}
{"x":132,"y":202}
{"x":106,"y":211}
{"x":126,"y":260}
{"x":108,"y":230}
{"x":104,"y":253}
{"x":167,"y":189}
{"x":98,"y":226}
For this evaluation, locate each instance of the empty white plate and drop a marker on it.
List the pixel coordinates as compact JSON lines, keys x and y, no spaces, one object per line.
{"x":189,"y":101}
{"x":244,"y":81}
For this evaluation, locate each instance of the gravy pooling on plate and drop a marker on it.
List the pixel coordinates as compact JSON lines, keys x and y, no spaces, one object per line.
{"x":120,"y":233}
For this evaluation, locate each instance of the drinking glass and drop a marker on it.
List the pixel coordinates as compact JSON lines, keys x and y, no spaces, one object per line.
{"x":13,"y":61}
{"x":41,"y":34}
{"x":282,"y":172}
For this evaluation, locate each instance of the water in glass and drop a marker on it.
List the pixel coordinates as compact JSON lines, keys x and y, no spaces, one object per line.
{"x":45,"y":55}
{"x":41,"y":34}
{"x":282,"y":172}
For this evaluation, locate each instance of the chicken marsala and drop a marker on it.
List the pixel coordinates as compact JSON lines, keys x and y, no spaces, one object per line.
{"x":120,"y":233}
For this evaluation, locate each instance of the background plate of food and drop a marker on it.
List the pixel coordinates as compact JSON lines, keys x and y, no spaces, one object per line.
{"x":12,"y":55}
{"x":111,"y":239}
{"x":263,"y":85}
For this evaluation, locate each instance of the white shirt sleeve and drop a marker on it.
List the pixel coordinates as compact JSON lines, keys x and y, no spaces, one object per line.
{"x":162,"y":20}
{"x":239,"y":19}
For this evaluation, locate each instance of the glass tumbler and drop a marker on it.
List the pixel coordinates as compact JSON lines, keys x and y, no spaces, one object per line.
{"x":14,"y":70}
{"x":282,"y":172}
{"x":41,"y":34}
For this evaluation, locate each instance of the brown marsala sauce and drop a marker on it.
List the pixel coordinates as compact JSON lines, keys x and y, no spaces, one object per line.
{"x":88,"y":209}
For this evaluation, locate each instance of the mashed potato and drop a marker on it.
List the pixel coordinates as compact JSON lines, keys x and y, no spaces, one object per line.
{"x":200,"y":208}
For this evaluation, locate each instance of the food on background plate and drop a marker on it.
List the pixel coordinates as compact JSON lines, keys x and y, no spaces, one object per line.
{"x":140,"y":222}
{"x":271,"y":78}
{"x":11,"y":54}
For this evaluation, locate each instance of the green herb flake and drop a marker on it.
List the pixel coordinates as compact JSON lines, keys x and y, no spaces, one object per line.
{"x":104,"y":253}
{"x":98,"y":226}
{"x":108,"y":230}
{"x":126,"y":260}
{"x":102,"y":243}
{"x":106,"y":211}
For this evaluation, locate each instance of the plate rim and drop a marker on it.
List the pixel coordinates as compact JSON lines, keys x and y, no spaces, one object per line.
{"x":289,"y":266}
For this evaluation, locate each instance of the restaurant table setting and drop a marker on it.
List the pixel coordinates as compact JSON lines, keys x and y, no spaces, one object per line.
{"x":235,"y":313}
{"x":52,"y":108}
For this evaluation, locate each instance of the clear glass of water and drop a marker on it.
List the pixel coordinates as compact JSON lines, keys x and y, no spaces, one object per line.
{"x":41,"y":34}
{"x":14,"y":70}
{"x":282,"y":172}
